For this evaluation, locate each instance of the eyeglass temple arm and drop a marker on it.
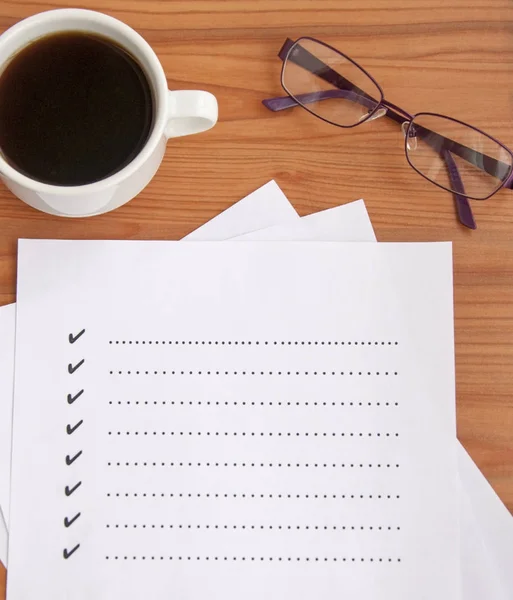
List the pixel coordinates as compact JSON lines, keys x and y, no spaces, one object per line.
{"x":462,"y":204}
{"x":277,"y":104}
{"x":314,"y":65}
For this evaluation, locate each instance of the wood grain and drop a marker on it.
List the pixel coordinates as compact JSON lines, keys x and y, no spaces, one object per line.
{"x":448,"y":56}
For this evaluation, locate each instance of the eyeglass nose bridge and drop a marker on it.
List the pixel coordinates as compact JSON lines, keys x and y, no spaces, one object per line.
{"x":409,"y":131}
{"x":381,"y":112}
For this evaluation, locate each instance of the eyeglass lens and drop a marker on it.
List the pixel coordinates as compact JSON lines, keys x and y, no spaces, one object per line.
{"x":437,"y":145}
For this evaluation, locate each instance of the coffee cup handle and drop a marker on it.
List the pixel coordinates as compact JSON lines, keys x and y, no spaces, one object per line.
{"x":190,"y":111}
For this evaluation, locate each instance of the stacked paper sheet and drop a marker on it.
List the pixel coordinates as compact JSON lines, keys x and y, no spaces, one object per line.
{"x":486,"y":530}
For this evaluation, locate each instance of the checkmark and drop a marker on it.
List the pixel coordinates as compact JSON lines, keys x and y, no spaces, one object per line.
{"x":70,"y":429}
{"x":68,"y":491}
{"x":67,"y":553}
{"x":73,"y":338}
{"x":73,"y":368}
{"x":70,"y":461}
{"x":69,"y":522}
{"x":72,"y":399}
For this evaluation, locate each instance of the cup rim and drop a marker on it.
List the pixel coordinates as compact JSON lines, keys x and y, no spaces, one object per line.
{"x":62,"y":14}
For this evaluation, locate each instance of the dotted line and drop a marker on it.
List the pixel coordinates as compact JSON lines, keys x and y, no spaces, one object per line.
{"x":250,"y":343}
{"x":258,"y":527}
{"x":245,"y":403}
{"x":259,"y":496}
{"x":251,"y":434}
{"x":257,"y":558}
{"x":252,"y":464}
{"x":256,"y":373}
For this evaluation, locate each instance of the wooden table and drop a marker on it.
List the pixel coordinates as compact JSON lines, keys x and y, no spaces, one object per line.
{"x":449,"y":56}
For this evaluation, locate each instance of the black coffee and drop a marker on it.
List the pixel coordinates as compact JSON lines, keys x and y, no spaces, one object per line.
{"x":74,"y":109}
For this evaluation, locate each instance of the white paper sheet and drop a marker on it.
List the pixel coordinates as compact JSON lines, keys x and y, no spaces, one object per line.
{"x":265,"y":207}
{"x":495,"y":521}
{"x":7,"y":327}
{"x":7,"y":331}
{"x":280,"y":293}
{"x":478,"y":579}
{"x":345,"y":223}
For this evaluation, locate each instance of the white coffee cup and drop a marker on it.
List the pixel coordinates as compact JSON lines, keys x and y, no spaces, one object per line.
{"x":176,"y":113}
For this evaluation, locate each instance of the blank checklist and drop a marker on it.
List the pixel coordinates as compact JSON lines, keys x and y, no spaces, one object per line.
{"x":240,"y":419}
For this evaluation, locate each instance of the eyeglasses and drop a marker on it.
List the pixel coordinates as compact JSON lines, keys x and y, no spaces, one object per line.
{"x":445,"y":151}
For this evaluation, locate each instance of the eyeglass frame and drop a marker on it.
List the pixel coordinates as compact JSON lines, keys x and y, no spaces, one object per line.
{"x":400,"y":116}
